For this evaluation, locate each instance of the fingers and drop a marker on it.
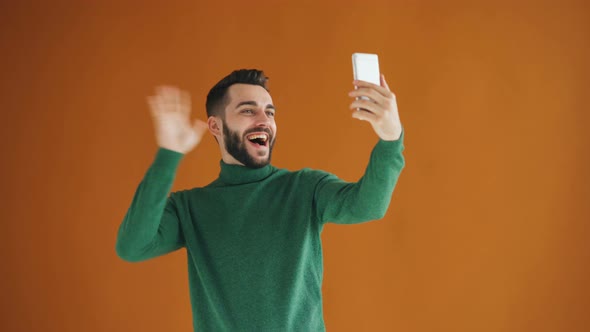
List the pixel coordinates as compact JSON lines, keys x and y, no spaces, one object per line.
{"x":380,"y":100}
{"x":364,"y":116}
{"x":383,"y":90}
{"x":384,"y":83}
{"x":167,"y":98}
{"x":366,"y":105}
{"x":369,"y":93}
{"x":379,"y":95}
{"x":170,"y":99}
{"x":184,"y":103}
{"x":155,"y":105}
{"x":380,"y":110}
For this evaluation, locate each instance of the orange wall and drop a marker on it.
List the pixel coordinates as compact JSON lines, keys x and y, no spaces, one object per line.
{"x":487,"y":230}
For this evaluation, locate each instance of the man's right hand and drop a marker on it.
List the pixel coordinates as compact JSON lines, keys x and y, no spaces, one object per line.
{"x":171,"y":109}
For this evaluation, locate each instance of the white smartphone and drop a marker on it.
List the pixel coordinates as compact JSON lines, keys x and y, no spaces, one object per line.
{"x":365,"y":67}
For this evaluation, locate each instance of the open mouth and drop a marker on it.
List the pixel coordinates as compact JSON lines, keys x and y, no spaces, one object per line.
{"x":260,"y":139}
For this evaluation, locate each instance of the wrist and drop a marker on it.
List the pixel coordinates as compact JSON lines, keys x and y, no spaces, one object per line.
{"x":394,"y":136}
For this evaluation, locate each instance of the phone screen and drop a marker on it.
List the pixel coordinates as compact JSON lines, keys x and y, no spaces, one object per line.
{"x":366,"y":67}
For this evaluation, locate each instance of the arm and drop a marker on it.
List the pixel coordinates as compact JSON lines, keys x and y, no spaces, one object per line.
{"x":369,"y":198}
{"x":151,"y":226}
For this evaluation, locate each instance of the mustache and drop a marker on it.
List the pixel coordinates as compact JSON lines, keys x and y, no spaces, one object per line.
{"x":259,"y":129}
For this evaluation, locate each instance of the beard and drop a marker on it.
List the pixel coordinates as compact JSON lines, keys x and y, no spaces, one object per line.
{"x":235,"y":145}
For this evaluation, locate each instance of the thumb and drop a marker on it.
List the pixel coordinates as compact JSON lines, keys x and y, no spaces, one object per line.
{"x":200,"y":126}
{"x":383,"y":82}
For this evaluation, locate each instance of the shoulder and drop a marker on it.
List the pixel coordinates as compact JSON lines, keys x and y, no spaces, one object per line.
{"x":307,"y":176}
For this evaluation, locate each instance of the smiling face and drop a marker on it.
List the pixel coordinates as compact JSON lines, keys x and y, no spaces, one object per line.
{"x":247,"y":131}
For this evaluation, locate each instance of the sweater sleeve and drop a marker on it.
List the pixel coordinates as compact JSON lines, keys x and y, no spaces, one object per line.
{"x":151,"y":226}
{"x":368,"y":199}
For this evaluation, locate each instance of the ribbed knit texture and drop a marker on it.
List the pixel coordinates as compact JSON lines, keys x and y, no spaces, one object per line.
{"x":252,"y":236}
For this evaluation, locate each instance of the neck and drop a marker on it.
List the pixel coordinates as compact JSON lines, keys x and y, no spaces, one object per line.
{"x":229,"y":159}
{"x":239,"y":174}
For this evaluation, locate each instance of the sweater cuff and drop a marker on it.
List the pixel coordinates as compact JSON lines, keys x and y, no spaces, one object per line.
{"x":167,"y":159}
{"x":391,"y":147}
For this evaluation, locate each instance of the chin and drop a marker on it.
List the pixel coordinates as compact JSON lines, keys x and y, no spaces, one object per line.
{"x":259,"y":162}
{"x":262,"y":162}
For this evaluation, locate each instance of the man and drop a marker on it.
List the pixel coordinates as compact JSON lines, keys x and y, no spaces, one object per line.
{"x":253,"y":235}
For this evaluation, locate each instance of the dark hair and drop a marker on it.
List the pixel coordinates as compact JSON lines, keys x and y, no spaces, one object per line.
{"x":217,"y":97}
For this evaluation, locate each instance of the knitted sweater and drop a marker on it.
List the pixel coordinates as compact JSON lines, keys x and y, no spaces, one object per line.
{"x":252,"y":236}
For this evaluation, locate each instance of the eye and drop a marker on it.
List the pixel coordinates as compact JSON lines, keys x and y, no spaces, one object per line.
{"x":270,"y":114}
{"x":248,"y":111}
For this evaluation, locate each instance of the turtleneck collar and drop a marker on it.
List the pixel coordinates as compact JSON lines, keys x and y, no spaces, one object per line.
{"x":238,"y":174}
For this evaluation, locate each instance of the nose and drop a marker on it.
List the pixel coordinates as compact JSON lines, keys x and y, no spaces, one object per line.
{"x":262,"y":119}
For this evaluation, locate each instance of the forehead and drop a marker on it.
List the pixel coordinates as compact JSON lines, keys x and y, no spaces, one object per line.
{"x":248,"y":92}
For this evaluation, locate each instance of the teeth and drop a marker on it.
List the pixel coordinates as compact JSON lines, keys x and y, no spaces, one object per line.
{"x":256,"y":136}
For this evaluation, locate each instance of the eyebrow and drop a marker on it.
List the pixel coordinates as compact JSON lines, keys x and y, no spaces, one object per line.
{"x":253,"y":103}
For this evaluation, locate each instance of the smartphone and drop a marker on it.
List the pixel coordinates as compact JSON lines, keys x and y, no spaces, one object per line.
{"x":365,"y":67}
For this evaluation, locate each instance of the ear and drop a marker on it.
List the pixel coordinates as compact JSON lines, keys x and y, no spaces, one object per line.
{"x":215,"y":126}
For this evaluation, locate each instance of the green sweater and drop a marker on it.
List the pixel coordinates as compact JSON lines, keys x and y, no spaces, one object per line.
{"x":252,"y":236}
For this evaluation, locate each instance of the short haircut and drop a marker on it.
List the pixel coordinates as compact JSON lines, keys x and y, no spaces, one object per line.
{"x":217,"y":97}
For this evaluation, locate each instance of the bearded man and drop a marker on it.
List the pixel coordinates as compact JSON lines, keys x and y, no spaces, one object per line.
{"x":252,"y":236}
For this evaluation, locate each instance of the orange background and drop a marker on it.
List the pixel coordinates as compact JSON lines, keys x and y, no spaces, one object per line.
{"x":488,"y":227}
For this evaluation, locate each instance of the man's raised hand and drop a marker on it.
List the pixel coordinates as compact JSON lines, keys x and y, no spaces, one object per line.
{"x":171,"y":108}
{"x":380,"y":110}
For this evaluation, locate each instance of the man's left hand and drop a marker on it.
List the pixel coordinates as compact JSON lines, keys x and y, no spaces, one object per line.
{"x":380,"y":110}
